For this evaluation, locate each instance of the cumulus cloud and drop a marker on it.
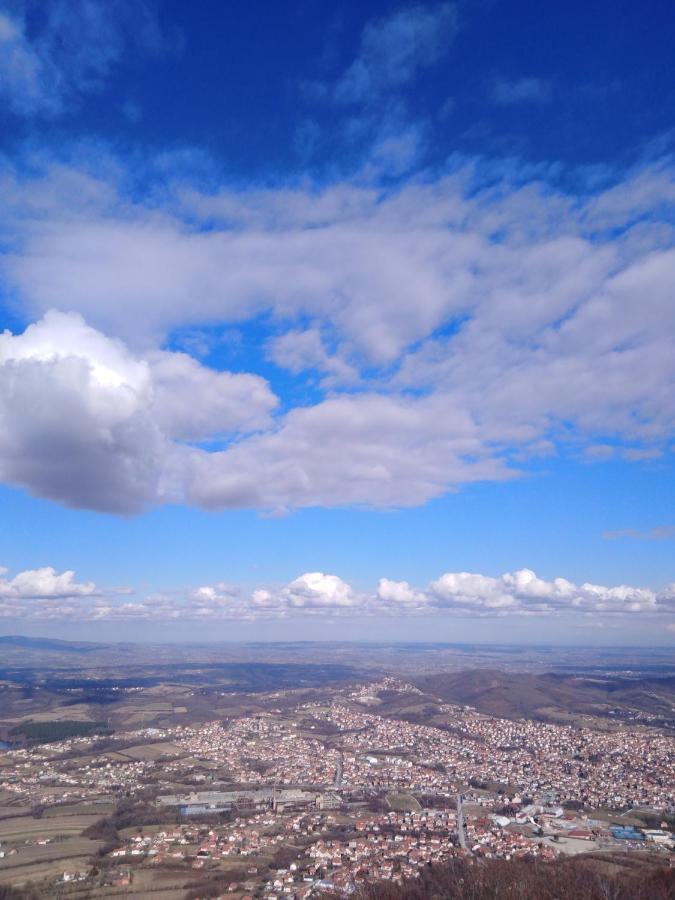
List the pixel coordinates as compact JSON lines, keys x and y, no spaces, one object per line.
{"x":421,"y":315}
{"x":86,"y":422}
{"x":221,"y":594}
{"x":43,"y":594}
{"x":52,"y":53}
{"x":523,"y":592}
{"x":314,"y":589}
{"x":192,"y":402}
{"x":73,"y":417}
{"x":44,"y":583}
{"x":313,"y":593}
{"x":463,"y":589}
{"x":399,"y":593}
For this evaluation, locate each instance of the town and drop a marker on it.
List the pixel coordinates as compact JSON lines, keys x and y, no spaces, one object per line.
{"x":328,"y":793}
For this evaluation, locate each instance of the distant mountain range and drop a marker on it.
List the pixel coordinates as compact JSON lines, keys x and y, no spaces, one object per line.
{"x":30,"y":643}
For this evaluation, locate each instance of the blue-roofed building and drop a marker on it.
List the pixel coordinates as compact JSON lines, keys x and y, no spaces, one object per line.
{"x":627,"y":833}
{"x":198,"y":809}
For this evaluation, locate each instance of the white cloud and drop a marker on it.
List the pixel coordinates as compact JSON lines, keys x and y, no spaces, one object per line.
{"x":192,"y":402}
{"x":463,"y":589}
{"x":44,"y":594}
{"x":44,"y":583}
{"x":86,"y":422}
{"x":316,"y":590}
{"x":421,"y":315}
{"x":73,"y":417}
{"x":313,"y":593}
{"x":523,"y":592}
{"x":399,"y":593}
{"x":61,"y":337}
{"x":264,"y":599}
{"x":213,"y":596}
{"x":362,"y":449}
{"x":304,"y":350}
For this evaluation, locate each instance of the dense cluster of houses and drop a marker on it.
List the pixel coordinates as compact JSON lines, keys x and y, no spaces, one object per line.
{"x":314,"y":778}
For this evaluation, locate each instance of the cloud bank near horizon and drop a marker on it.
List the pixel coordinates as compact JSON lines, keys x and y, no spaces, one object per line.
{"x":44,"y":594}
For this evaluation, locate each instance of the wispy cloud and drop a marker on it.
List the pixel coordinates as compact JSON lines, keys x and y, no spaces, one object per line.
{"x":53,"y":53}
{"x":510,"y":92}
{"x":394,"y":50}
{"x":371,"y":98}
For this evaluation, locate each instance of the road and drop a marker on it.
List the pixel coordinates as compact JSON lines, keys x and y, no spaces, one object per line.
{"x":461,"y":826}
{"x":338,"y":773}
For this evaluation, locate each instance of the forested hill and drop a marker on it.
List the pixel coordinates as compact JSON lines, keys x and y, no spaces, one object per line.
{"x":581,"y":878}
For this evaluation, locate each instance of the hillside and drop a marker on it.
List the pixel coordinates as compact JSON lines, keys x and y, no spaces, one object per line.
{"x":554,"y":696}
{"x":582,"y":878}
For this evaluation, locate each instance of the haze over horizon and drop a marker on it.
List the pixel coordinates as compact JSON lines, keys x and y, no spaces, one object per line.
{"x":337,"y":321}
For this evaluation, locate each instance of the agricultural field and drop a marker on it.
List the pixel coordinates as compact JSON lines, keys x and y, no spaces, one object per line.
{"x":78,"y":712}
{"x":79,"y":809}
{"x":9,"y":812}
{"x":37,"y":871}
{"x":163,"y":885}
{"x":43,"y":848}
{"x":150,"y":751}
{"x":13,"y":831}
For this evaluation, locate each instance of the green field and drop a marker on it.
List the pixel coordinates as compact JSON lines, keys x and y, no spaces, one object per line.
{"x":58,"y":730}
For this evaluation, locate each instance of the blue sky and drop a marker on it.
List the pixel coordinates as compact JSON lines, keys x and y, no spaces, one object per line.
{"x":337,"y":320}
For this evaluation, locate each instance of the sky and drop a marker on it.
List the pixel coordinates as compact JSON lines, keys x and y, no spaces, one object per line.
{"x":338,"y":321}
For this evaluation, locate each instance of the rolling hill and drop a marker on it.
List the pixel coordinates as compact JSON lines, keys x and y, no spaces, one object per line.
{"x":554,"y":696}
